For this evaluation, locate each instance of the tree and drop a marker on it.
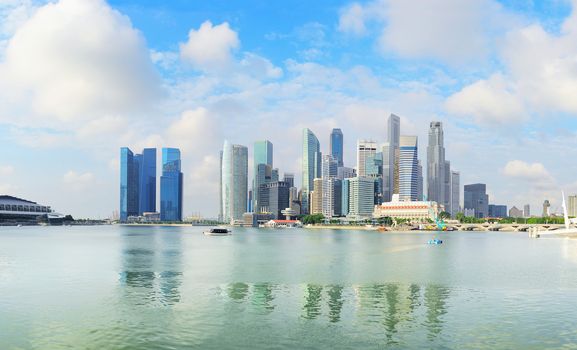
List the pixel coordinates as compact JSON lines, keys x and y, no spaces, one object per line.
{"x":444,"y":215}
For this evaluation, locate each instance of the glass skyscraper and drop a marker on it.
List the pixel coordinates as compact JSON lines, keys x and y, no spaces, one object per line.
{"x":234,"y":181}
{"x":137,"y":182}
{"x":391,"y":158}
{"x":311,"y":166}
{"x":436,"y":164}
{"x":408,"y":169}
{"x":336,"y":145}
{"x":171,"y":184}
{"x":263,"y":162}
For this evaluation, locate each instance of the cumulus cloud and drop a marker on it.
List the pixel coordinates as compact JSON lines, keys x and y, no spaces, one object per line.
{"x":491,"y":101}
{"x":352,"y":19}
{"x":78,"y":180}
{"x":527,"y":171}
{"x":76,"y":59}
{"x":210,"y":47}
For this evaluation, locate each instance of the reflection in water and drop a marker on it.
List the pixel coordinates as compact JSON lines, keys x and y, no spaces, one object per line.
{"x":238,"y":291}
{"x":263,"y":296}
{"x":312,"y":307}
{"x":151,"y":265}
{"x":435,"y":301}
{"x":335,"y":303}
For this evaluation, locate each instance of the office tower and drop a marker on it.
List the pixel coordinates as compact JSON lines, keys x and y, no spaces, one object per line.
{"x":477,"y":200}
{"x":147,"y":181}
{"x":290,"y":179}
{"x":393,"y":140}
{"x":274,"y":175}
{"x":337,"y":186}
{"x":336,"y":145}
{"x":408,"y":168}
{"x":546,"y":206}
{"x":498,"y":211}
{"x":275,"y":197}
{"x":171,"y":183}
{"x":572,"y":205}
{"x":234,"y":181}
{"x":345,"y":189}
{"x":366,"y":150}
{"x":361,"y":197}
{"x":515,"y":213}
{"x":419,"y":181}
{"x":263,"y":163}
{"x":436,"y":164}
{"x":527,"y":211}
{"x":311,"y":166}
{"x":387,"y":183}
{"x":128,"y":185}
{"x":447,"y":187}
{"x":329,"y":174}
{"x":455,"y":193}
{"x":345,"y":172}
{"x":317,"y":197}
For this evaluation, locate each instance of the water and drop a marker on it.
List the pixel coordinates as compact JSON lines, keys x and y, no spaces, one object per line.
{"x":112,"y":287}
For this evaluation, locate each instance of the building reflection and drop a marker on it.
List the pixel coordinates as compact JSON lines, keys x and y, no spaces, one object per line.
{"x":151,"y":267}
{"x":263,"y":297}
{"x":435,"y":302}
{"x":313,"y":298}
{"x":335,"y":302}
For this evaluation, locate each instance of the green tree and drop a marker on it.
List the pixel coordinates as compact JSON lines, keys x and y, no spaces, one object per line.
{"x":444,"y":215}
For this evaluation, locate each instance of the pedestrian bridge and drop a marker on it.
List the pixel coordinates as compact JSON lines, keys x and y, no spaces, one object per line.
{"x":503,"y":227}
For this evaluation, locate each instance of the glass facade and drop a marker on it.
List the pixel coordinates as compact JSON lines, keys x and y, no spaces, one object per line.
{"x":234,"y":181}
{"x":171,"y":185}
{"x":263,"y":161}
{"x":128,"y":184}
{"x":408,"y":169}
{"x":147,"y":181}
{"x":476,"y":199}
{"x":311,"y":166}
{"x":337,"y":146}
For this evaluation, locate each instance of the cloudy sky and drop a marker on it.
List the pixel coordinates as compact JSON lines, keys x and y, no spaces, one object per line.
{"x":81,"y":78}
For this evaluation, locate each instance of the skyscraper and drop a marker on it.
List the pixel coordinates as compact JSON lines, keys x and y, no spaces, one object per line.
{"x":408,"y":168}
{"x":527,"y":211}
{"x":274,"y":197}
{"x":329,"y":174}
{"x":365,"y":150}
{"x":311,"y":166}
{"x":420,"y":182}
{"x":361,"y":197}
{"x":137,"y":182}
{"x":393,"y":140}
{"x":455,"y":193}
{"x":290,"y":179}
{"x":263,"y":154}
{"x":477,"y":200}
{"x":436,"y":164}
{"x":171,"y":183}
{"x":336,"y":145}
{"x":234,"y":181}
{"x":447,"y":187}
{"x":220,"y":213}
{"x":147,"y":181}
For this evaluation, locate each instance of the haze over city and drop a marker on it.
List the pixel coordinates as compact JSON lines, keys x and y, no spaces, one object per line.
{"x":80,"y":79}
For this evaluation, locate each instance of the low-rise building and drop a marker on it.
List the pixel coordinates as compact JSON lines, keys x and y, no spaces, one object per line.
{"x":17,"y":210}
{"x":414,"y":210}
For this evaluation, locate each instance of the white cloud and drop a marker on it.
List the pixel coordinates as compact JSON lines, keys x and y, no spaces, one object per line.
{"x":352,"y":19}
{"x":73,"y":60}
{"x":6,"y":170}
{"x":210,"y":47}
{"x":492,"y":101}
{"x":527,"y":171}
{"x":78,"y":180}
{"x":259,"y":67}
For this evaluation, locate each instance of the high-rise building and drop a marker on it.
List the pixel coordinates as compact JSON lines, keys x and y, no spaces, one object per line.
{"x":128,"y":184}
{"x":393,"y":139}
{"x":447,"y":187}
{"x":345,"y":172}
{"x":275,"y":197}
{"x":263,"y":163}
{"x":361,"y":191}
{"x":234,"y":181}
{"x":366,"y":151}
{"x":420,"y":182}
{"x":387,"y":172}
{"x":527,"y":211}
{"x":137,"y":182}
{"x":572,"y":206}
{"x":336,"y":145}
{"x":498,"y":211}
{"x":329,"y":174}
{"x":345,"y":189}
{"x":476,"y":200}
{"x":436,"y":164}
{"x":311,"y":166}
{"x":220,"y":213}
{"x":455,"y":193}
{"x":171,"y":185}
{"x":317,"y":197}
{"x":408,"y":169}
{"x":290,"y":179}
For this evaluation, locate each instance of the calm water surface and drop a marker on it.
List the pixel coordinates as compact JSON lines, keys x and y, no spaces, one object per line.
{"x":113,"y":287}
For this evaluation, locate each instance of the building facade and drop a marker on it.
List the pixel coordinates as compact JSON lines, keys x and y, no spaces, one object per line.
{"x":572,"y":206}
{"x":336,"y":146}
{"x":361,"y":197}
{"x":436,"y":164}
{"x":527,"y":211}
{"x":455,"y":193}
{"x":317,"y":197}
{"x":391,"y":177}
{"x":366,"y":151}
{"x":234,"y":181}
{"x":515,"y":213}
{"x":476,"y":199}
{"x":408,"y":168}
{"x":137,"y":182}
{"x":275,"y":197}
{"x":416,"y":210}
{"x":263,"y":165}
{"x":311,"y":167}
{"x":171,"y":185}
{"x":498,"y":211}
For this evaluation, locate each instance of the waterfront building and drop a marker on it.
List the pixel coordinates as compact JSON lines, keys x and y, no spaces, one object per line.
{"x":455,"y":193}
{"x":408,"y":168}
{"x":415,"y":210}
{"x":345,"y":172}
{"x":366,"y":151}
{"x":393,"y":152}
{"x":447,"y":187}
{"x":515,"y":213}
{"x":274,"y":197}
{"x":387,"y":171}
{"x":361,"y":197}
{"x":137,"y":182}
{"x":345,"y":187}
{"x":256,"y":219}
{"x":329,"y":175}
{"x":476,"y":199}
{"x":572,"y":206}
{"x":527,"y":211}
{"x":311,"y":166}
{"x":420,"y":181}
{"x":171,"y":185}
{"x":17,"y":210}
{"x":336,"y":146}
{"x":436,"y":164}
{"x":263,"y":168}
{"x":317,"y":197}
{"x":546,"y":206}
{"x":498,"y":211}
{"x":234,"y":181}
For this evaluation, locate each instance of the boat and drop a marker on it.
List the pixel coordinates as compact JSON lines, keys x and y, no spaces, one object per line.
{"x":435,"y":241}
{"x":218,"y":231}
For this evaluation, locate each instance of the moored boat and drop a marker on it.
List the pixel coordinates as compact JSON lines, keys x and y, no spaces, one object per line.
{"x":218,"y":231}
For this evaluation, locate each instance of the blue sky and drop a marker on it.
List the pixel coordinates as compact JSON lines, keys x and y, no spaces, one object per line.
{"x":79,"y":79}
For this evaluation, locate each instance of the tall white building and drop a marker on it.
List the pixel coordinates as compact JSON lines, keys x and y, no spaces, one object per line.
{"x":455,"y":193}
{"x":329,"y":174}
{"x":311,"y":166}
{"x":361,"y":197}
{"x":436,"y":164}
{"x":572,"y":206}
{"x":408,"y":168}
{"x":392,"y":148}
{"x":366,"y":151}
{"x":234,"y":181}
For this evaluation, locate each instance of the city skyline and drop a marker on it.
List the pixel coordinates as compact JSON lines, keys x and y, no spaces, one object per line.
{"x":338,"y":66}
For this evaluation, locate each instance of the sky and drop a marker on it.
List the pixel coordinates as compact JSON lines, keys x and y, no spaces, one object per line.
{"x":81,"y":78}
